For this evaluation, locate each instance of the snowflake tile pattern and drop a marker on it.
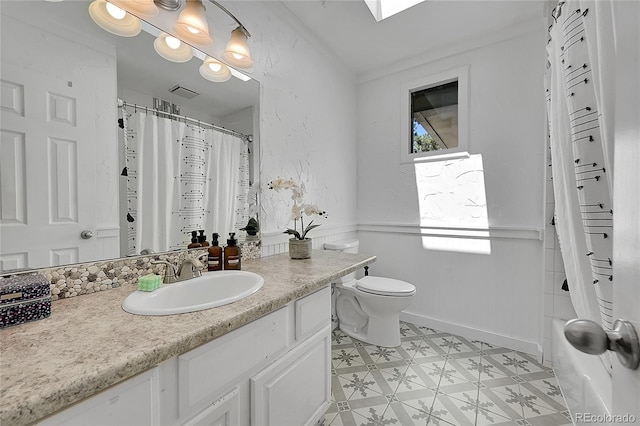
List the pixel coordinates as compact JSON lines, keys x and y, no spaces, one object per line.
{"x":436,"y":378}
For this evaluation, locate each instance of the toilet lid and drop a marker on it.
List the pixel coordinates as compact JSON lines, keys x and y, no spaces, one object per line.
{"x":385,"y":286}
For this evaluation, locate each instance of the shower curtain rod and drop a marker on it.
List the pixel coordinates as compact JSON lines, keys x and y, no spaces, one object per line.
{"x":248,"y":138}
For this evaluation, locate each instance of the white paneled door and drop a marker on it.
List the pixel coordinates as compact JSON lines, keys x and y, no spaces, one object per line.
{"x":48,"y":154}
{"x":48,"y":173}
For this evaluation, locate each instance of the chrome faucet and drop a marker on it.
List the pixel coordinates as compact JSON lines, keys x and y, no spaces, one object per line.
{"x":169,"y":271}
{"x":204,"y":259}
{"x":190,"y":268}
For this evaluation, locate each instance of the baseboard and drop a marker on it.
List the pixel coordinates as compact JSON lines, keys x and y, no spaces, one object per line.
{"x":531,"y":348}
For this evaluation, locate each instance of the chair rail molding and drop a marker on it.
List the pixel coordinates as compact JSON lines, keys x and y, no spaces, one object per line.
{"x":491,"y":232}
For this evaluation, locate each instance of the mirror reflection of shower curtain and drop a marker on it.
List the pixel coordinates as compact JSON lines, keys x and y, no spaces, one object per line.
{"x":181,"y":178}
{"x":579,"y":107}
{"x":228,"y":181}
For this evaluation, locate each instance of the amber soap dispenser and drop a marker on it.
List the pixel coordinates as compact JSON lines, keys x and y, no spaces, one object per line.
{"x":232,"y":253}
{"x":194,"y":240}
{"x":215,"y":254}
{"x":202,"y":239}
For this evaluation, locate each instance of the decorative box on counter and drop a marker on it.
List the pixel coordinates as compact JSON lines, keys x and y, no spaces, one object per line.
{"x":24,"y":298}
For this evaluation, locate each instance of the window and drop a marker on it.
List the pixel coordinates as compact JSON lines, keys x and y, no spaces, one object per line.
{"x":382,"y":9}
{"x":434,"y":113}
{"x":434,"y":116}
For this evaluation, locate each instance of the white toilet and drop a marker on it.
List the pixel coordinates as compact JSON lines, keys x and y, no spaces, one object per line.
{"x":369,"y":309}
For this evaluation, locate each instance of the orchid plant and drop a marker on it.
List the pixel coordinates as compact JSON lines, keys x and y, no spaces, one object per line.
{"x":299,"y":208}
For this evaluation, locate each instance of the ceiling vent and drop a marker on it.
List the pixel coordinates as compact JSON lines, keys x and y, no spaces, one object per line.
{"x":183,"y":91}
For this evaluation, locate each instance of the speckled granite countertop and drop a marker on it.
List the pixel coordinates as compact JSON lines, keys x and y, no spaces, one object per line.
{"x":89,"y":343}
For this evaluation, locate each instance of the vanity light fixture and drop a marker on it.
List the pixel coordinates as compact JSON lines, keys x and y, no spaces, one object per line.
{"x":142,"y":8}
{"x":214,"y":70}
{"x":192,"y":25}
{"x":191,"y":29}
{"x":172,"y":49}
{"x":170,"y":5}
{"x":237,"y":52}
{"x":111,"y":18}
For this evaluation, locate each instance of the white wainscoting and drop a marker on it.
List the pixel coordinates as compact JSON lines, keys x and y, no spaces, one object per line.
{"x":278,"y":242}
{"x":494,"y":295}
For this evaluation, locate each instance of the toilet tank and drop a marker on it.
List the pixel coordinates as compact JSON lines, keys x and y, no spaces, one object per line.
{"x":346,"y":246}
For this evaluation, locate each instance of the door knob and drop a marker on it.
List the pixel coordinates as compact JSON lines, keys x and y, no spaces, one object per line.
{"x":86,"y":234}
{"x":589,"y":337}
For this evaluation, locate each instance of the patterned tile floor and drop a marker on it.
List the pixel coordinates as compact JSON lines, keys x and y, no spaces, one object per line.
{"x":437,"y":378}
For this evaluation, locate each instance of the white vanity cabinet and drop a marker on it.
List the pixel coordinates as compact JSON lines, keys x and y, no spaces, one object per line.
{"x":272,"y":371}
{"x":224,"y":411}
{"x":294,"y":390}
{"x":135,"y":401}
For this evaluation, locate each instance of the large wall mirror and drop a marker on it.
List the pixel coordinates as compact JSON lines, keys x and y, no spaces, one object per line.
{"x":107,"y":148}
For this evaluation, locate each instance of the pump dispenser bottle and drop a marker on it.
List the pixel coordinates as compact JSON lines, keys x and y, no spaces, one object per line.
{"x":202,"y":239}
{"x":215,"y":254}
{"x":232,"y":253}
{"x":194,"y":240}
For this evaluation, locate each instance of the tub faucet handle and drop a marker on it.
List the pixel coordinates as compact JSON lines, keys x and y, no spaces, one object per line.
{"x":589,"y":337}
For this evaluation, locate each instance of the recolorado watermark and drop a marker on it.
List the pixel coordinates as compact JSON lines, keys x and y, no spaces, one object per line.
{"x":604,"y":418}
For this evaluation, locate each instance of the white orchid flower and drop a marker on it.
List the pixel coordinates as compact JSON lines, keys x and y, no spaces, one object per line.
{"x":297,"y":193}
{"x":311,"y":209}
{"x":296,"y":211}
{"x":280,"y":183}
{"x":298,"y":208}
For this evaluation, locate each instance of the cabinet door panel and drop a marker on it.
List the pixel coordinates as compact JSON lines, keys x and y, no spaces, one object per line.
{"x":205,"y":371}
{"x":295,"y":390}
{"x":313,"y":312}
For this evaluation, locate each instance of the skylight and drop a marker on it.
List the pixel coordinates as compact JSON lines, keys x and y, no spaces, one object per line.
{"x":382,"y":9}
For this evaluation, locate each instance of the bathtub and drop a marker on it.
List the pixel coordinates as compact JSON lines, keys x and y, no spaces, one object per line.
{"x":583,"y":378}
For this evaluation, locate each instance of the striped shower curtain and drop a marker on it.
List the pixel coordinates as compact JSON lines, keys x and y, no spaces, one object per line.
{"x":181,"y":177}
{"x":579,"y":107}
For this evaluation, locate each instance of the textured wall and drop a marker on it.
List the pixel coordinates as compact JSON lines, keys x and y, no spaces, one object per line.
{"x":486,"y":284}
{"x":307,"y":117}
{"x":506,"y":127}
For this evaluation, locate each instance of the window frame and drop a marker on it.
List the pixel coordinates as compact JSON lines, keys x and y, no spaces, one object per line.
{"x":461,"y":74}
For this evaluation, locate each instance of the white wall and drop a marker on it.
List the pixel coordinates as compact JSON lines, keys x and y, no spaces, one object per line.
{"x":240,"y":121}
{"x":137,"y":97}
{"x":307,"y":127}
{"x":481,"y":286}
{"x":307,"y":122}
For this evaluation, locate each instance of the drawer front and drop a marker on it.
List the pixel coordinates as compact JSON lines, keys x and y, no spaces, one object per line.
{"x":206,"y":370}
{"x":135,"y":401}
{"x":312,"y":313}
{"x":223,"y":412}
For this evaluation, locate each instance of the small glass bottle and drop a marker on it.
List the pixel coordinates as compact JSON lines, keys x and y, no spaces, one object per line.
{"x":202,"y":239}
{"x":232,"y":253}
{"x":194,"y":240}
{"x":215,"y":254}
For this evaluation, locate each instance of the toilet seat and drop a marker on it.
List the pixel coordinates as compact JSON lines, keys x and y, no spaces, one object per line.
{"x":385,"y":286}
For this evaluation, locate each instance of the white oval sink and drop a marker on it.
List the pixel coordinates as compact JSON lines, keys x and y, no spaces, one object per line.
{"x":196,"y":294}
